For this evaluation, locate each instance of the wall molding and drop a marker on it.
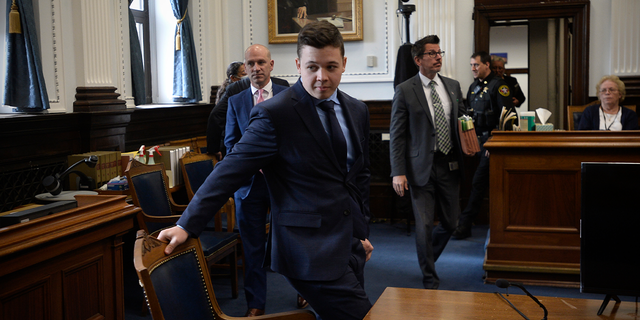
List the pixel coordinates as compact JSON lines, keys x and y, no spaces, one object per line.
{"x":348,"y":77}
{"x":55,"y":17}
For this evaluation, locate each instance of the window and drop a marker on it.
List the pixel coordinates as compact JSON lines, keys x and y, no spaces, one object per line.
{"x":140,"y":10}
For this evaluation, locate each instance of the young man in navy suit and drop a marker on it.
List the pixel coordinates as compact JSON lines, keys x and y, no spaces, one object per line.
{"x":252,"y":199}
{"x":316,"y":164}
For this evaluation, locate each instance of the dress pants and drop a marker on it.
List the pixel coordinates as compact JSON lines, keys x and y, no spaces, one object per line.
{"x":343,"y":298}
{"x":251,"y":215}
{"x":479,"y":187}
{"x":439,"y":196}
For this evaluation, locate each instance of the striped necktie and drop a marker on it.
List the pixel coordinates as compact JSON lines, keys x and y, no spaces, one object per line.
{"x":442,"y":128}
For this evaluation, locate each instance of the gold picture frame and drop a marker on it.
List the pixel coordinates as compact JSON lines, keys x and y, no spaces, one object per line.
{"x":345,"y":14}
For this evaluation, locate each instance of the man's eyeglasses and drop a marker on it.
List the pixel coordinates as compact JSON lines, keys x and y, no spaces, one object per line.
{"x":433,"y":54}
{"x":609,"y":90}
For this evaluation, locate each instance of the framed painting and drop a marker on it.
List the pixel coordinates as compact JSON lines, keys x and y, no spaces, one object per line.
{"x":287,"y":17}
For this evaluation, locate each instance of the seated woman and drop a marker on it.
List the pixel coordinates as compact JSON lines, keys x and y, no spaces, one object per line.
{"x":235,"y":72}
{"x":609,"y":115}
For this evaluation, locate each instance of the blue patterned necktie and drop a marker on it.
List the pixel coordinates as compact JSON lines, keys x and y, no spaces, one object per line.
{"x":442,"y":128}
{"x":336,"y":135}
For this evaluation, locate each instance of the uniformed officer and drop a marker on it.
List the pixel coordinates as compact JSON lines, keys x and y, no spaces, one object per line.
{"x":486,"y":97}
{"x":497,"y":66}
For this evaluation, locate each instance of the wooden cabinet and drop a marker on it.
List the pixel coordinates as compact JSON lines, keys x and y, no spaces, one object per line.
{"x":68,"y":265}
{"x":535,"y":200}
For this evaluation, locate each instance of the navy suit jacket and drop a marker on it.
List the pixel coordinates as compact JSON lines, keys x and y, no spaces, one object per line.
{"x":590,"y":119}
{"x":218,"y":115}
{"x":316,"y":209}
{"x":238,"y":115}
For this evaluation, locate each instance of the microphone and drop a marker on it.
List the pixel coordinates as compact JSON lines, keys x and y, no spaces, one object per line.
{"x":502,"y":283}
{"x":53,"y":185}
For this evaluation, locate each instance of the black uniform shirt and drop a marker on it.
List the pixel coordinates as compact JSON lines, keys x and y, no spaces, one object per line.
{"x":485,"y":99}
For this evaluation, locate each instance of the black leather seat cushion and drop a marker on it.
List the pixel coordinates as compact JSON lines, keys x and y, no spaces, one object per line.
{"x":213,"y":241}
{"x":180,"y":287}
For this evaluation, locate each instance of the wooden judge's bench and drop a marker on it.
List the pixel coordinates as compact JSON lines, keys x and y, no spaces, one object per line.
{"x":535,"y":200}
{"x":67,"y":265}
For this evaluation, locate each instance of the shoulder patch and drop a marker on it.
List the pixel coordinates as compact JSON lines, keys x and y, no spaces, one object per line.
{"x":504,"y":90}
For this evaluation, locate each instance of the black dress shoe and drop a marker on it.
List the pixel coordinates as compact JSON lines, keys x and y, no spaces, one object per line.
{"x":253,"y":312}
{"x":462,"y":232}
{"x":301,"y":302}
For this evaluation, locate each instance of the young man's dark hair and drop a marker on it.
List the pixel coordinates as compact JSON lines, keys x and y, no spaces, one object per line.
{"x":418,"y":48}
{"x":484,"y":56}
{"x":319,"y":35}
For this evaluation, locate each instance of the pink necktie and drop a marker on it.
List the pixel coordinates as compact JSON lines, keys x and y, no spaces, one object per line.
{"x":260,"y":98}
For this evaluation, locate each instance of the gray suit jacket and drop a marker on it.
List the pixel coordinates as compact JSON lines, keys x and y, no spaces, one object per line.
{"x":413,"y":132}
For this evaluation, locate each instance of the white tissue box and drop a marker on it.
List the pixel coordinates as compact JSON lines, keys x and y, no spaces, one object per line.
{"x":544,"y":127}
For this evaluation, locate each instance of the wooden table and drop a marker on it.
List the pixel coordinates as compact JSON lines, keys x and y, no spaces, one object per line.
{"x":403,"y":303}
{"x":67,"y":265}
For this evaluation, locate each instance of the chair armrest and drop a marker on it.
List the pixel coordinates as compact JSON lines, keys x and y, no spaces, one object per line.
{"x":290,"y":315}
{"x":160,"y":219}
{"x":177,"y":207}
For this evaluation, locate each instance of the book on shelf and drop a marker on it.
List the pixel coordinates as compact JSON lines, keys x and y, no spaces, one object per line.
{"x":170,"y":157}
{"x":108,"y":167}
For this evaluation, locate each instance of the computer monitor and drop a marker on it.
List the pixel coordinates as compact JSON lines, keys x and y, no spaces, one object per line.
{"x":610,"y":228}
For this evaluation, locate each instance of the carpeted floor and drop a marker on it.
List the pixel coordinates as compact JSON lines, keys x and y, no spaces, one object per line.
{"x":393,"y":264}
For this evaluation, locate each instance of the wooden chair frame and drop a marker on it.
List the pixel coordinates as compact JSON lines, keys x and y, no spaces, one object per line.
{"x":149,"y":254}
{"x":230,"y":250}
{"x":229,"y":208}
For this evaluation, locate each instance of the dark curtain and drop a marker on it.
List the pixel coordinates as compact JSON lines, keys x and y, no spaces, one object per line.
{"x":186,"y":83}
{"x":137,"y":69}
{"x":24,"y":82}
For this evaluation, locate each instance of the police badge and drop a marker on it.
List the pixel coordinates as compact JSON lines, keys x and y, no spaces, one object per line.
{"x":504,"y":90}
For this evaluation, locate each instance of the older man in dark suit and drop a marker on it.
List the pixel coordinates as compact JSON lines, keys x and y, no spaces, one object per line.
{"x":426,"y":156}
{"x":218,"y":116}
{"x":312,"y":143}
{"x":252,"y":199}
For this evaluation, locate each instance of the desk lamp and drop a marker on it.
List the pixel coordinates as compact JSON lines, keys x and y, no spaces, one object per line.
{"x":53,"y":185}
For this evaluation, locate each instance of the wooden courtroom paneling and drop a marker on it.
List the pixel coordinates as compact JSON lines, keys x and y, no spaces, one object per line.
{"x":28,"y":138}
{"x":161,"y":124}
{"x":66,"y":265}
{"x":535,"y":200}
{"x":34,"y":146}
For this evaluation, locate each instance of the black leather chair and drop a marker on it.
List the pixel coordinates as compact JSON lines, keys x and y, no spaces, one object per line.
{"x":148,"y":185}
{"x":196,"y":167}
{"x":178,"y":287}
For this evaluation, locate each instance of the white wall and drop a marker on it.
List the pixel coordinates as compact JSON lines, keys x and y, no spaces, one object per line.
{"x":513,"y":40}
{"x":600,"y":42}
{"x":226,"y":27}
{"x":382,"y":37}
